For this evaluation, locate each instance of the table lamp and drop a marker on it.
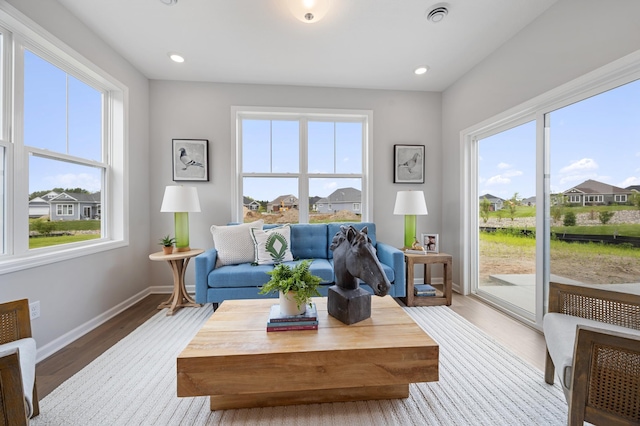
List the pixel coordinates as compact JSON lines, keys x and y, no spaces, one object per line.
{"x":181,"y":200}
{"x":410,"y":204}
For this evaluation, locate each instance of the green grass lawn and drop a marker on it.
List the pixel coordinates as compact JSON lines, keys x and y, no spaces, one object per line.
{"x":39,"y":242}
{"x":73,"y":225}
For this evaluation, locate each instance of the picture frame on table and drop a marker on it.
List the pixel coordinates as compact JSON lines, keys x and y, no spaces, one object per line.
{"x":408,"y":164}
{"x":430,"y":242}
{"x":190,"y":159}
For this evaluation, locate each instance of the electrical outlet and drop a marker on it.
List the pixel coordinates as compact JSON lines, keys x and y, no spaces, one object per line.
{"x":34,"y":309}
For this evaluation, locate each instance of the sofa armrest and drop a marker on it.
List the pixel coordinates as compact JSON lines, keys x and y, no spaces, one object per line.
{"x":393,"y":257}
{"x":205,"y":263}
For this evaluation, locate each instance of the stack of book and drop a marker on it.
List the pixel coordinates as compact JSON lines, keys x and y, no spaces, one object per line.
{"x":421,"y":290}
{"x":280,"y":322}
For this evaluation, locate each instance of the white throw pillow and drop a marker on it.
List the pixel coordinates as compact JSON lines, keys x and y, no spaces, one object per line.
{"x":234,"y":243}
{"x":272,"y":245}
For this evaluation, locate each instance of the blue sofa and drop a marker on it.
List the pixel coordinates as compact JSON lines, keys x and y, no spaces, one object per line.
{"x":308,"y":241}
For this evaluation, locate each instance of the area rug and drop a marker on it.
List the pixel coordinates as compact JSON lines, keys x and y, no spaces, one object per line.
{"x":134,"y":383}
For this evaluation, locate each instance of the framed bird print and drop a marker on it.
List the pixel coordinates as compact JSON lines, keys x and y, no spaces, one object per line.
{"x":190,"y":159}
{"x":408,"y":164}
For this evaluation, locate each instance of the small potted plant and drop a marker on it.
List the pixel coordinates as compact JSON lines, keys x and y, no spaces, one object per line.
{"x":167,"y":244}
{"x":296,"y":286}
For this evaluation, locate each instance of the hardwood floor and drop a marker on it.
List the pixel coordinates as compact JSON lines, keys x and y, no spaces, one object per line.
{"x":53,"y":371}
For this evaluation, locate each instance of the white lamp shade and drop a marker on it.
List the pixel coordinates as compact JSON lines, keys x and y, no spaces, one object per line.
{"x":178,"y":199}
{"x":410,"y":202}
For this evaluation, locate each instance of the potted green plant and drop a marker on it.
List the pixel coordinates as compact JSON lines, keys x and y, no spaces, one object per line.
{"x":167,"y":244}
{"x":295,"y":285}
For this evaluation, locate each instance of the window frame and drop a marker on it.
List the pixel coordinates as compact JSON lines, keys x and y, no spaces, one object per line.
{"x":303,"y":115}
{"x":19,"y":32}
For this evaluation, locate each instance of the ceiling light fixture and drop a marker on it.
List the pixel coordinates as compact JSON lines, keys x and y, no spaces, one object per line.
{"x":438,"y":13}
{"x":169,"y":2}
{"x":308,"y":11}
{"x":176,"y":58}
{"x":421,"y":70}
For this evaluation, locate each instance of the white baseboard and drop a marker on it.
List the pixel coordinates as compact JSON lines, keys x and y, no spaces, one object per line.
{"x":67,"y":338}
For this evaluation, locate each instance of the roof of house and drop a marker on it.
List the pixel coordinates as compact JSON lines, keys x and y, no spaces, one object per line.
{"x":634,"y":188}
{"x":594,"y":187}
{"x":284,"y":199}
{"x":246,"y":201}
{"x":345,"y":195}
{"x":76,"y":197}
{"x":491,"y":197}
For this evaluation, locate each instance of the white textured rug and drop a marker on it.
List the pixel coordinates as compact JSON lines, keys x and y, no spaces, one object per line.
{"x":134,"y":383}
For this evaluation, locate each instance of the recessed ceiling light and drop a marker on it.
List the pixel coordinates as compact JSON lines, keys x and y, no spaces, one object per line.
{"x":176,"y":58}
{"x":421,"y":70}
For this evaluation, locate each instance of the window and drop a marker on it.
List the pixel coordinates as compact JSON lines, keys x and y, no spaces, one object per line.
{"x":66,"y":150}
{"x":356,"y":207}
{"x":288,"y":158}
{"x":574,"y":198}
{"x":65,"y":210}
{"x":622,"y":198}
{"x":593,"y":198}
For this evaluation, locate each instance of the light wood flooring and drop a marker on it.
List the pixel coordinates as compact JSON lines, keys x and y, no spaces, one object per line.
{"x":524,"y":341}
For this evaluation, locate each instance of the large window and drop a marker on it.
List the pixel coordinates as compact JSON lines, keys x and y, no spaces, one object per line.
{"x":302,"y":166}
{"x":62,"y":176}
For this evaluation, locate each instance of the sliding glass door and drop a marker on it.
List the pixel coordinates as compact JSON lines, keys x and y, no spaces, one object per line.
{"x":554,"y":195}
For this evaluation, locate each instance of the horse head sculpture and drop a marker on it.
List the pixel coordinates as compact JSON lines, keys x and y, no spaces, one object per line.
{"x":354,"y":257}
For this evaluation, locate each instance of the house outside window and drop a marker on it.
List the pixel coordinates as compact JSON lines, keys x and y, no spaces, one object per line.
{"x":303,"y":152}
{"x":65,"y":114}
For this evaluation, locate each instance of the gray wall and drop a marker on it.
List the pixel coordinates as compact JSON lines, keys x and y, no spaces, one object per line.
{"x":203,"y":110}
{"x":75,"y":292}
{"x":570,"y":39}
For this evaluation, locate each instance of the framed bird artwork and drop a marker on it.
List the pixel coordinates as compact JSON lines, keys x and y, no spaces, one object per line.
{"x":408,"y":164}
{"x":190,"y":159}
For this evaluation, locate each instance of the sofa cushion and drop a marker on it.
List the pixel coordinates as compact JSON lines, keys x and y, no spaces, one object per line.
{"x":309,"y":241}
{"x":560,"y":335}
{"x":247,"y":275}
{"x":272,"y":245}
{"x":234,"y":243}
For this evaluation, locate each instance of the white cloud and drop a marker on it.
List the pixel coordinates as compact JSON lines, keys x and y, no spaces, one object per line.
{"x":580,"y":165}
{"x":498,"y":180}
{"x":330,"y":186}
{"x":504,"y":166}
{"x":631,"y":180}
{"x":513,"y":173}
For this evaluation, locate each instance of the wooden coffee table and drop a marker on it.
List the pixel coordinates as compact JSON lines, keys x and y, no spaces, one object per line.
{"x":239,"y":365}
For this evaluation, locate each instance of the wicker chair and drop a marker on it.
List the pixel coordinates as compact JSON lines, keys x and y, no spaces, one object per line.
{"x":15,"y":324}
{"x":603,"y":383}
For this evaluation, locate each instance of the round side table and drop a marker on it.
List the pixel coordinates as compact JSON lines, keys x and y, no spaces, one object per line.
{"x":178,"y":261}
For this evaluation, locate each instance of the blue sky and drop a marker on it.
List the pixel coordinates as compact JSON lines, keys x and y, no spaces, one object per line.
{"x":272,"y":147}
{"x":597,"y":138}
{"x":64,"y":115}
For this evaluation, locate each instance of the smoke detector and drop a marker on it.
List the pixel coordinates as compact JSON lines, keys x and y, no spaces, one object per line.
{"x":437,"y":14}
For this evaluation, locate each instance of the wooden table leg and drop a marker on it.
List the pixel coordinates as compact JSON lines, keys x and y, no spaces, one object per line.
{"x":179,"y":297}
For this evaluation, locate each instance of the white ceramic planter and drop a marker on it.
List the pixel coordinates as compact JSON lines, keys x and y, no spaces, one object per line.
{"x":288,"y":305}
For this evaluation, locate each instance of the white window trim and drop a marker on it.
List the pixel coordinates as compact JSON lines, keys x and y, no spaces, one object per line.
{"x":607,"y":77}
{"x":115,"y":187}
{"x":314,"y":113}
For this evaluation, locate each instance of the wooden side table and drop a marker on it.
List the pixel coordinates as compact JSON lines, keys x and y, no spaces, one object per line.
{"x":178,"y":261}
{"x":442,"y":297}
